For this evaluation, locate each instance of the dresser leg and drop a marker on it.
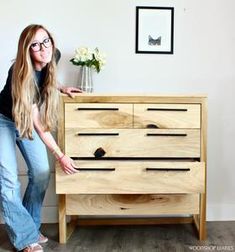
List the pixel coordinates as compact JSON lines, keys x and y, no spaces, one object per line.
{"x":62,"y":219}
{"x":202,"y":219}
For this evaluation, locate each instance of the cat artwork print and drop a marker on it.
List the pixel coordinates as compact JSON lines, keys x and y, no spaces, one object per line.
{"x":154,"y":42}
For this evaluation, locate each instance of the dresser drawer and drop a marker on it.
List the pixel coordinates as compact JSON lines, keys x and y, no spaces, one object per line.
{"x":139,"y":143}
{"x":167,"y":115}
{"x":93,"y":115}
{"x":132,"y":177}
{"x":132,"y":204}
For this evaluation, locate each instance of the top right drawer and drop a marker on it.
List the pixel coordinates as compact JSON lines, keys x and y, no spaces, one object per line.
{"x":167,"y":116}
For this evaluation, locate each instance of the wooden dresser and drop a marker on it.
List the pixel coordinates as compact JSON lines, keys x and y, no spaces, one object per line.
{"x":141,"y":158}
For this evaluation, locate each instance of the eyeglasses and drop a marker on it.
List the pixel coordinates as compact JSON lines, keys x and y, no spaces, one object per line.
{"x":37,"y":46}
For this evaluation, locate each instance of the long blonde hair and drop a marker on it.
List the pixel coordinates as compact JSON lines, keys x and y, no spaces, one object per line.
{"x":25,"y":91}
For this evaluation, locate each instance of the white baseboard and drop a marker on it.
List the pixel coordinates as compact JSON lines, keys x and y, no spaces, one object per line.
{"x":49,"y":215}
{"x":220,"y":212}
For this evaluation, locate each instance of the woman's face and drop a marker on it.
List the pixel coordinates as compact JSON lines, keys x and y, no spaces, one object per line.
{"x":41,"y":49}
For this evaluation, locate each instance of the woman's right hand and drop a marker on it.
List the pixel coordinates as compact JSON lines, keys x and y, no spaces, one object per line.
{"x":67,"y":165}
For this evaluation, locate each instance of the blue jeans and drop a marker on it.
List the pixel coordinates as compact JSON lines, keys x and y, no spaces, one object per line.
{"x":22,"y":218}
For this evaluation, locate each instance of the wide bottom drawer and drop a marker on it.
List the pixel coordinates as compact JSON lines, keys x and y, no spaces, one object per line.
{"x":132,"y":177}
{"x":132,"y":204}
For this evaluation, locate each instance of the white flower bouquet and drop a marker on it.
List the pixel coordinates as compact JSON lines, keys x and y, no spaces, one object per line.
{"x":84,"y":56}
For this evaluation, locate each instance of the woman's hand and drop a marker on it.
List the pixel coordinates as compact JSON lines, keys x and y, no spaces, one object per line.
{"x":67,"y":164}
{"x":70,"y":91}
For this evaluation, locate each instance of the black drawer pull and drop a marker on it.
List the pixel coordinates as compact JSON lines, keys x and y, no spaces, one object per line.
{"x":166,"y":109}
{"x":168,"y":169}
{"x":97,"y":108}
{"x":95,"y":169}
{"x":166,"y":134}
{"x":98,"y":134}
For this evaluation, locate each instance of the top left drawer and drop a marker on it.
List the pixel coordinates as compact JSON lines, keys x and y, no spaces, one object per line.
{"x":98,"y":115}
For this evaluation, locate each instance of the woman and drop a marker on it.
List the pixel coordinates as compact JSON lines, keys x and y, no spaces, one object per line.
{"x":28,"y":109}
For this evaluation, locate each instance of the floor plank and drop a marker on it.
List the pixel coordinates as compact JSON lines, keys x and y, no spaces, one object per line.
{"x":159,"y":238}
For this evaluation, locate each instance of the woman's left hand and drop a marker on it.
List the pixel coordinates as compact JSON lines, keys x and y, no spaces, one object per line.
{"x":70,"y":91}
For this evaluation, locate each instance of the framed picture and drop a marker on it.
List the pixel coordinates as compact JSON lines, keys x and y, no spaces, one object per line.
{"x":154,"y":30}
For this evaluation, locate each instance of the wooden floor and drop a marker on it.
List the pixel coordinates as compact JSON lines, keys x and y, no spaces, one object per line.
{"x":165,"y":238}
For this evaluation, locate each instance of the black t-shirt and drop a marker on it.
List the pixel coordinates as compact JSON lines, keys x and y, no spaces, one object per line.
{"x":5,"y":95}
{"x":6,"y":102}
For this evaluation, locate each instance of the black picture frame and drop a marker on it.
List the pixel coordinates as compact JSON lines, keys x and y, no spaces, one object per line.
{"x":154,"y":30}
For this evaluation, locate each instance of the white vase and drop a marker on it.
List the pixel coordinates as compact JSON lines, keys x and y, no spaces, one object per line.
{"x":86,"y":81}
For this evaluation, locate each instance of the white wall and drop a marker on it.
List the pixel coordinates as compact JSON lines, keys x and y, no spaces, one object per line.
{"x":203,"y":62}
